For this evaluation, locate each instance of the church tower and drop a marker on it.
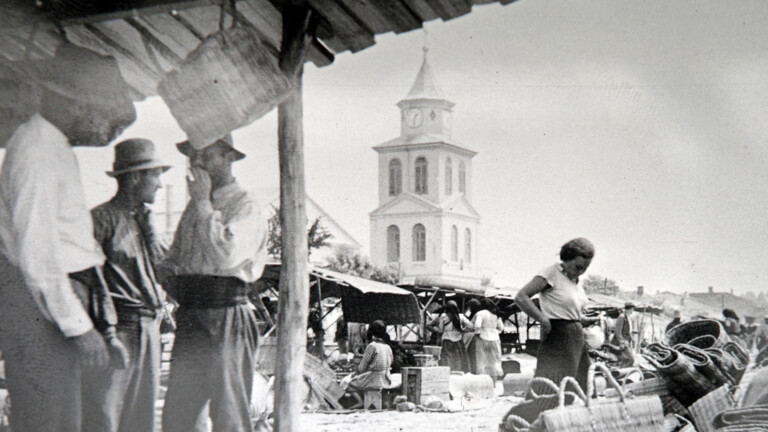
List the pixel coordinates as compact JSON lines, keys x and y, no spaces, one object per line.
{"x":425,"y":223}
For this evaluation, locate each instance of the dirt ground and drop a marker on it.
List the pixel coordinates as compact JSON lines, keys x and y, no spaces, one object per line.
{"x":478,"y":415}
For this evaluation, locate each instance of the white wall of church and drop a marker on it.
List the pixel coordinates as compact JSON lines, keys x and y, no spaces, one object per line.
{"x":434,"y":243}
{"x":460,"y":266}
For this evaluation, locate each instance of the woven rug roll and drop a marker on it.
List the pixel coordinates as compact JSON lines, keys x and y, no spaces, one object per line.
{"x":227,"y":82}
{"x":704,"y":364}
{"x":703,"y":341}
{"x":685,"y":332}
{"x":704,"y":410}
{"x":742,"y":357}
{"x":755,"y":417}
{"x":686,"y":383}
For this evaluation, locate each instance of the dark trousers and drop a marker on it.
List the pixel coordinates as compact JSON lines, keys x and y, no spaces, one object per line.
{"x":124,"y":399}
{"x":42,"y":369}
{"x":213,"y":362}
{"x":563,"y":352}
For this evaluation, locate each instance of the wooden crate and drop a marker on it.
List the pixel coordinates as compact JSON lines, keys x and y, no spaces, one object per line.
{"x":419,"y":382}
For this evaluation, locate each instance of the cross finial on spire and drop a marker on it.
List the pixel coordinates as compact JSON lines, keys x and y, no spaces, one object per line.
{"x":426,"y":47}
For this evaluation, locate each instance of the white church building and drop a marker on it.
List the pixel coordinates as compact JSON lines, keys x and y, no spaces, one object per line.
{"x":425,"y":223}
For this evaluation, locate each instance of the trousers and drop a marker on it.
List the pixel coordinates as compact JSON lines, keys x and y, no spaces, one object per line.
{"x":124,"y":399}
{"x":42,"y":369}
{"x":212,"y":363}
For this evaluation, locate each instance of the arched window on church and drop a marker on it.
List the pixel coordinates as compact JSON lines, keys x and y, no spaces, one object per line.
{"x":393,"y":243}
{"x":419,"y":243}
{"x":467,"y":246}
{"x":421,"y":176}
{"x":454,"y":243}
{"x":448,"y":176}
{"x":395,"y":177}
{"x":462,"y":178}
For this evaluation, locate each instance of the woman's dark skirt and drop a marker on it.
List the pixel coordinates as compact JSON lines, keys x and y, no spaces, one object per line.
{"x":454,"y":355}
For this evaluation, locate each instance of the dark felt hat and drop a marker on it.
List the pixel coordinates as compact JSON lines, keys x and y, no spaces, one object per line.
{"x":135,"y":154}
{"x":629,"y":305}
{"x":187,"y":149}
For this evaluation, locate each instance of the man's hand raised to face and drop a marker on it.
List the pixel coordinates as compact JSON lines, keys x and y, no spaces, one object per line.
{"x":200,"y":186}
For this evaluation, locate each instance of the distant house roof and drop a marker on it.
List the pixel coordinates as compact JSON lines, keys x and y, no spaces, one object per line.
{"x":745,"y":308}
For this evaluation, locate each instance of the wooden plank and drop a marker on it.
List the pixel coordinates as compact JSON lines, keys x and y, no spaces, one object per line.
{"x":423,"y":9}
{"x":265,"y":17}
{"x":371,"y":17}
{"x":111,"y":10}
{"x":348,"y":32}
{"x":174,"y":34}
{"x":123,"y":38}
{"x":449,"y":9}
{"x":401,"y":17}
{"x":205,"y":19}
{"x":319,"y":54}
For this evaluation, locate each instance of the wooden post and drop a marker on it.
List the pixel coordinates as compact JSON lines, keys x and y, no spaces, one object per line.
{"x":294,"y":276}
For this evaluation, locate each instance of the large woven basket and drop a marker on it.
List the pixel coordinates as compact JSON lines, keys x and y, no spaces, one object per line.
{"x":705,"y":409}
{"x":639,"y":414}
{"x":749,"y":419}
{"x":228,"y":81}
{"x":686,"y":332}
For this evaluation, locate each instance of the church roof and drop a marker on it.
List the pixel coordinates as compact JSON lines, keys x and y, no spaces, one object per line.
{"x":425,"y":86}
{"x":424,"y":140}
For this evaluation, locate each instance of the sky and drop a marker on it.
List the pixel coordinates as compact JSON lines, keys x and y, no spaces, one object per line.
{"x":640,"y":125}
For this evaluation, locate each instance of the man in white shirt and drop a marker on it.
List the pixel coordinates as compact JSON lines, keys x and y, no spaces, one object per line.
{"x":219,"y":248}
{"x":53,"y":302}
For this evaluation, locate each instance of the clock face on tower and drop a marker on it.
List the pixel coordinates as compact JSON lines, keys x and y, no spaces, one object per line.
{"x":413,"y":118}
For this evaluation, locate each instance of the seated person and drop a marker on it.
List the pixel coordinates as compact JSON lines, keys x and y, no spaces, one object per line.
{"x":373,"y":372}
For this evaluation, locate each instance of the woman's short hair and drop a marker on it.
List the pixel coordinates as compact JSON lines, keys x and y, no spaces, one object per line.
{"x":578,"y":247}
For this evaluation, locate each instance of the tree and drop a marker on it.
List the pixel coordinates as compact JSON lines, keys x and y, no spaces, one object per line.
{"x":317,"y":236}
{"x":595,"y":284}
{"x":350,"y":261}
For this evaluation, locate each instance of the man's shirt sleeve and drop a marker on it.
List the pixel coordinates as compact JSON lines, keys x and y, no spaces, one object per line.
{"x":35,"y":213}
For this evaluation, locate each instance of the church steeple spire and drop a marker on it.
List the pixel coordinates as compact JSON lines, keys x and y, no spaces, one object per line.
{"x":425,"y":86}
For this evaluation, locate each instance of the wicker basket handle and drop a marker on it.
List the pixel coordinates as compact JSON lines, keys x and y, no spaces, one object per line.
{"x":575,"y":384}
{"x":608,"y":377}
{"x":546,"y":381}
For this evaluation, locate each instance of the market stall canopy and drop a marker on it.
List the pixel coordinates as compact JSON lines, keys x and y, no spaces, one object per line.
{"x":362,"y":300}
{"x":149,"y":38}
{"x":614,"y":305}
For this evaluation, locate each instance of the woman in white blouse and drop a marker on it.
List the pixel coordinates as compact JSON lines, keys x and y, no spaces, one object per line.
{"x":563,"y":350}
{"x":487,"y":349}
{"x":452,"y":324}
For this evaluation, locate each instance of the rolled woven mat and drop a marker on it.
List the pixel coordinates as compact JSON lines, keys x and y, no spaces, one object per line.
{"x":741,"y":355}
{"x":703,"y":341}
{"x":690,"y":330}
{"x":704,"y":364}
{"x":725,"y":361}
{"x":756,"y":416}
{"x":704,"y":410}
{"x":685,"y":382}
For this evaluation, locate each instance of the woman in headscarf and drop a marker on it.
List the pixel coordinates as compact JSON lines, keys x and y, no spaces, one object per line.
{"x":473,"y":307}
{"x":374,"y":368}
{"x":487,"y":342}
{"x":452,"y":325}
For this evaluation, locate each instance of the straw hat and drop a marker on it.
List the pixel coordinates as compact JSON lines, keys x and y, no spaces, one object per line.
{"x":82,"y":75}
{"x":187,"y":149}
{"x":135,"y":154}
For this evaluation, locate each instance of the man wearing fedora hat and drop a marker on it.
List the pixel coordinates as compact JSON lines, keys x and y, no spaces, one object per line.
{"x":124,"y":398}
{"x":53,"y":299}
{"x":219,"y":248}
{"x":622,"y":336}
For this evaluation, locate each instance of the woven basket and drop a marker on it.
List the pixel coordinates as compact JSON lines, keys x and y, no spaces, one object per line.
{"x":704,"y":364}
{"x":228,"y":81}
{"x":640,"y":414}
{"x":705,"y":409}
{"x":685,"y":332}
